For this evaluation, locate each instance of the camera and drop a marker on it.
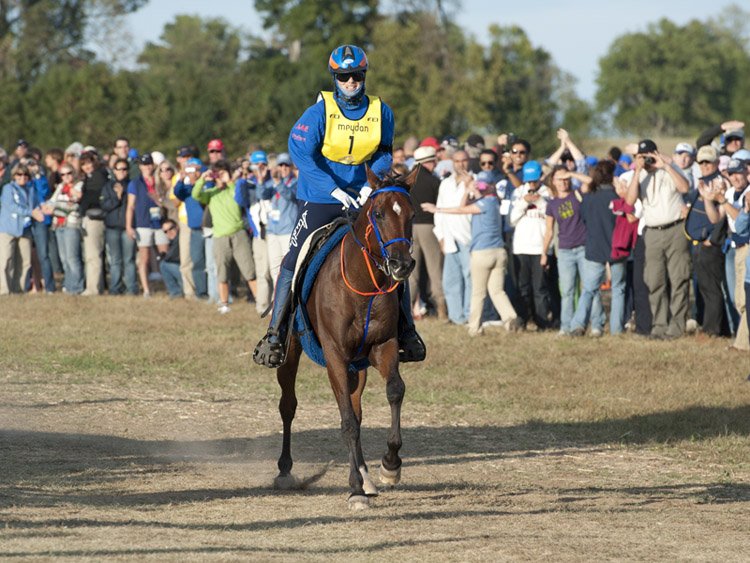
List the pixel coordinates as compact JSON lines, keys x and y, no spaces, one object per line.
{"x":650,"y":160}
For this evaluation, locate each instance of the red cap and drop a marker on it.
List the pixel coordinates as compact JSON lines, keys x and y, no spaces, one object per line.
{"x":215,"y":145}
{"x":430,"y":142}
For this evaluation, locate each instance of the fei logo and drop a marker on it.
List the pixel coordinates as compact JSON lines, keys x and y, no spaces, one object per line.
{"x":301,"y":224}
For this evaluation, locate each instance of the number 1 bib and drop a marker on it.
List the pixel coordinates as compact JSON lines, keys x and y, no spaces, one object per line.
{"x":347,"y":141}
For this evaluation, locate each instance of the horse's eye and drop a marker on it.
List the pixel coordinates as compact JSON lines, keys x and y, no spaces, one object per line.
{"x":378,"y":215}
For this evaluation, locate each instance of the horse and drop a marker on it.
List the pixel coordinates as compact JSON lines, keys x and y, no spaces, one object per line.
{"x":354,"y":309}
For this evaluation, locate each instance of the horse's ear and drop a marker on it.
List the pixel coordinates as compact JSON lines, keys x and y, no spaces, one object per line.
{"x":372,"y":178}
{"x":411,"y":179}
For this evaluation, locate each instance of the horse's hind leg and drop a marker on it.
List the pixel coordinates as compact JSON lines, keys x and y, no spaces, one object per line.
{"x":357,"y":382}
{"x":287,"y":375}
{"x":385,"y":359}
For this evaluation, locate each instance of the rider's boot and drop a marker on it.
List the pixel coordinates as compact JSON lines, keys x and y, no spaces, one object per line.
{"x":271,"y":350}
{"x":411,"y":347}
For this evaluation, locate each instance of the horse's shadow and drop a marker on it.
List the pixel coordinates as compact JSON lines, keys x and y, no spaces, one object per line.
{"x":77,"y":468}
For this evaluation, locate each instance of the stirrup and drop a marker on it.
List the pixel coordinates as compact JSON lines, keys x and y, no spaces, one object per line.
{"x":270,"y":354}
{"x":411,"y":347}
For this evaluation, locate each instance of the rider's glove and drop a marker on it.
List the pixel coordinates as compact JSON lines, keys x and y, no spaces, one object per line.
{"x":346,"y":200}
{"x":364,"y":193}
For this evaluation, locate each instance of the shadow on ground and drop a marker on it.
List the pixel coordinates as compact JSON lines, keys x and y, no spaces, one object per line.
{"x":33,"y":464}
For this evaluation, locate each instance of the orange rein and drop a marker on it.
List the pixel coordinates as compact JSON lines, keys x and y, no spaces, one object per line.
{"x":368,"y":259}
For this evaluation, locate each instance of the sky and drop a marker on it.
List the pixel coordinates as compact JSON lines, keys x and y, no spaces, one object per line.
{"x":576,"y":33}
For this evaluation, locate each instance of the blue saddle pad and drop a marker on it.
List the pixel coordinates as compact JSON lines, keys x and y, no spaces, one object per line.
{"x":302,"y":327}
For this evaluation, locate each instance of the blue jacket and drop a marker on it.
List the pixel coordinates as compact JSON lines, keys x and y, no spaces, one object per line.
{"x":318,"y":176}
{"x":246,"y":195}
{"x":193,"y":208}
{"x":41,"y":194}
{"x":742,"y":226}
{"x":283,"y":198}
{"x":16,"y":205}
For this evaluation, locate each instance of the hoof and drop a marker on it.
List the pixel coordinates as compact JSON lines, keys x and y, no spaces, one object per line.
{"x":359,"y":502}
{"x":390,"y":477}
{"x":369,"y":487}
{"x":286,"y":482}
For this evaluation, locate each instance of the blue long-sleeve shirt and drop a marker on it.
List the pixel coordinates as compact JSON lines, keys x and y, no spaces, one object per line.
{"x":283,"y":199}
{"x":193,"y":208}
{"x":41,"y":194}
{"x":246,"y":195}
{"x":742,"y":226}
{"x":318,"y":176}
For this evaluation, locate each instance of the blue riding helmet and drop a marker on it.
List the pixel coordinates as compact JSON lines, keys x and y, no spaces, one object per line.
{"x":347,"y":59}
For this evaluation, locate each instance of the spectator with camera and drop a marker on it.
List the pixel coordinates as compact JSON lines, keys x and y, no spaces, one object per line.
{"x":570,"y":156}
{"x":216,"y":190}
{"x":192,"y":224}
{"x":281,"y":200}
{"x":40,"y":229}
{"x":661,"y":188}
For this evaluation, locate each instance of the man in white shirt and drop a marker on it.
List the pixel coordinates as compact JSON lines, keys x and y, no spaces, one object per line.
{"x":454,"y":235}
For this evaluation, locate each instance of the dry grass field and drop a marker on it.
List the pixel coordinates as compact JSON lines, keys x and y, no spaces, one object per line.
{"x":141,"y":429}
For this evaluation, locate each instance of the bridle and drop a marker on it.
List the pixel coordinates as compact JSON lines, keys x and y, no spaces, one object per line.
{"x":381,"y":262}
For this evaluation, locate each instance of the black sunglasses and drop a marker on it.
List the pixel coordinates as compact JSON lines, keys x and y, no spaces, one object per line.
{"x":486,"y":163}
{"x":357,"y":76}
{"x":121,"y":169}
{"x":516,"y":151}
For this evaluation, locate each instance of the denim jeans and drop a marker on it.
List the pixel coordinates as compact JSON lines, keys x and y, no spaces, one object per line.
{"x":69,"y":246}
{"x":198,"y":256}
{"x":457,"y":283}
{"x":570,"y":264}
{"x":170,"y":272}
{"x":211,"y":271}
{"x":121,"y":259}
{"x":593,"y":276}
{"x":40,"y":232}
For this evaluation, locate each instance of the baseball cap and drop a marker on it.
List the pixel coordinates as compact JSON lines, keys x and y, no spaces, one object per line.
{"x":736,"y":167}
{"x":449,"y":141}
{"x":74,"y":149}
{"x":430,"y":142}
{"x":532,"y":171}
{"x":646,"y":146}
{"x":22,"y":143}
{"x":684,"y":148}
{"x":484,"y":180}
{"x":735,"y":134}
{"x":259,"y":157}
{"x":707,"y":153}
{"x":424,"y":154}
{"x":284,"y":158}
{"x":145,"y":158}
{"x":742,"y":154}
{"x":184,"y":151}
{"x":215,"y":145}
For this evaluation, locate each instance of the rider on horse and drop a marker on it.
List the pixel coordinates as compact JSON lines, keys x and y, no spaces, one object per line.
{"x":331,"y":144}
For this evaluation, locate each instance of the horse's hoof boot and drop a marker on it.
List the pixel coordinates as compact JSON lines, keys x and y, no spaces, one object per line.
{"x":359,"y":502}
{"x":269,"y":354}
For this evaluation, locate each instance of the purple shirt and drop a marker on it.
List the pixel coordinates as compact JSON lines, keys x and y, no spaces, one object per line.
{"x":567,"y":213}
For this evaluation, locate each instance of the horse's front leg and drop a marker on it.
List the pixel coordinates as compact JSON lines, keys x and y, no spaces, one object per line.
{"x":357,"y":382}
{"x":385,"y":359}
{"x":286,"y":376}
{"x":350,"y":428}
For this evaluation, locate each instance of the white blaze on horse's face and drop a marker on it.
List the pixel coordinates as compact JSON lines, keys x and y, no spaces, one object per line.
{"x":397,"y":208}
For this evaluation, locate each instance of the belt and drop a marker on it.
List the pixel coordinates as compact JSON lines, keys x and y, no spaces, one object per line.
{"x":667,"y":226}
{"x":701,"y":242}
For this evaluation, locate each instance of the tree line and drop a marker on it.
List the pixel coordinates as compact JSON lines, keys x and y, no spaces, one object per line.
{"x":205,"y":78}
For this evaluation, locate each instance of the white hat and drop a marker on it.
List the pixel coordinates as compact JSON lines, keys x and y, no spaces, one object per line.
{"x":685,"y":147}
{"x":424,"y":154}
{"x":158,"y":157}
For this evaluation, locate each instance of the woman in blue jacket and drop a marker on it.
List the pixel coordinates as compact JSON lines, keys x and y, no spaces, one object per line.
{"x":331,"y":145}
{"x":18,"y":210}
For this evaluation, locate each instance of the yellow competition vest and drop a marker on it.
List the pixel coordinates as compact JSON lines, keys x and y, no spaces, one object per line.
{"x":347,"y":141}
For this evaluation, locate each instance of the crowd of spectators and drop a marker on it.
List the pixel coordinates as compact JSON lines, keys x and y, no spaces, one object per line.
{"x":561,"y":242}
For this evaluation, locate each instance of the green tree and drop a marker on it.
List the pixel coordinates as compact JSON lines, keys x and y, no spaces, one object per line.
{"x":671,"y":79}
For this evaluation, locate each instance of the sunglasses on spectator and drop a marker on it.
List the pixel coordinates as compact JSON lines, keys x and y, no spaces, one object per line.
{"x":356,"y":76}
{"x":705,"y":162}
{"x":486,"y":163}
{"x":213,"y":150}
{"x":121,"y":169}
{"x":170,"y":228}
{"x":166,"y":170}
{"x":284,"y":164}
{"x":516,"y":151}
{"x":66,"y":173}
{"x":22,"y":174}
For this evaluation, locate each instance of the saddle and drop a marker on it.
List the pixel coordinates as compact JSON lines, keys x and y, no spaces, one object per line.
{"x":313,"y":254}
